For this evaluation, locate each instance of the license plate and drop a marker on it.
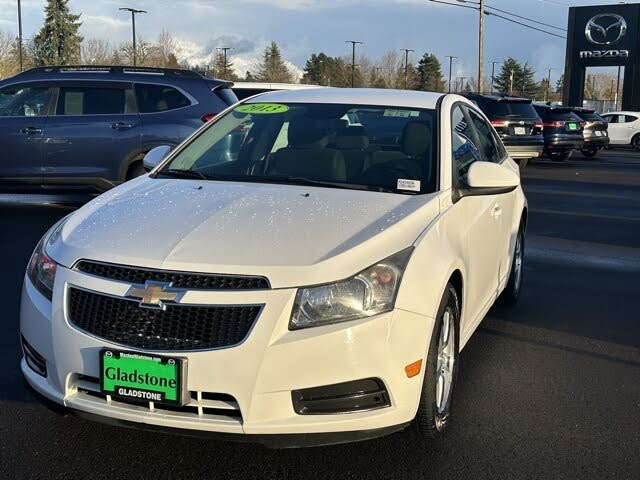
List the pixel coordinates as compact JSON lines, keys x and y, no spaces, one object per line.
{"x":598,"y":133}
{"x":573,"y":126}
{"x":146,"y":378}
{"x":520,"y":131}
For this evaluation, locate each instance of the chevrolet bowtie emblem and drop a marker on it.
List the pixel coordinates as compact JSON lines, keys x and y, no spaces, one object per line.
{"x":154,"y":294}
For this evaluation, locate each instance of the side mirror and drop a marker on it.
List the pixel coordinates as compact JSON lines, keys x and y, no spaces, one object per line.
{"x":155,"y":156}
{"x":486,"y":178}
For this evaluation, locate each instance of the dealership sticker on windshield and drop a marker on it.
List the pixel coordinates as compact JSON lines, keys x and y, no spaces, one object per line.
{"x":404,"y":184}
{"x":261,"y":108}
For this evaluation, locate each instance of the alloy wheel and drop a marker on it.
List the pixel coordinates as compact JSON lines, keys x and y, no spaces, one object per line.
{"x":445,"y":367}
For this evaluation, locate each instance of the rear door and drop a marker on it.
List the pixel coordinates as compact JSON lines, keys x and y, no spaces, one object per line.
{"x":23,"y":115}
{"x":616,"y":129}
{"x":94,"y":132}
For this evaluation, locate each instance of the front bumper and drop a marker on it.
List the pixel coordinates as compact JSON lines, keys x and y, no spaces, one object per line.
{"x":243,"y":390}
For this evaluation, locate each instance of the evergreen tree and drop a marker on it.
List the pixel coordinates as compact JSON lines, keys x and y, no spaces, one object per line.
{"x":560,"y":84}
{"x":510,"y":71}
{"x":527,"y":86}
{"x":58,"y":42}
{"x":429,"y":74}
{"x":272,"y":68}
{"x":222,"y":69}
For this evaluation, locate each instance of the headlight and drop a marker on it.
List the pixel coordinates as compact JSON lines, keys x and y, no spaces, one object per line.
{"x":368,"y":293}
{"x":41,"y":270}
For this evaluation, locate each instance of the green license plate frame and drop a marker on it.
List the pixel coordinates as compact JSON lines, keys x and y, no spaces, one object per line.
{"x":144,"y":377}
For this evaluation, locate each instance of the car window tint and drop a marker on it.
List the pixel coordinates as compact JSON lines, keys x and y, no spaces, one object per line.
{"x":488,"y":146}
{"x":463,"y":148}
{"x":159,"y":98}
{"x":611,"y":118}
{"x":23,"y":101}
{"x":629,"y":118}
{"x":90,"y":101}
{"x":509,"y":109}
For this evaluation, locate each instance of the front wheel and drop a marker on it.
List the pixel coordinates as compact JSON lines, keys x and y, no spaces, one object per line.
{"x":441,"y":368}
{"x":635,"y":141}
{"x":589,"y":151}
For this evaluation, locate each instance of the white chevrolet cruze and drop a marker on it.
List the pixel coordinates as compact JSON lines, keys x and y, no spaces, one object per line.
{"x":302,"y":270}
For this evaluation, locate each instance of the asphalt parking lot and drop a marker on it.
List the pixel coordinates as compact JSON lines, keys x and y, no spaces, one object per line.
{"x":548,"y":389}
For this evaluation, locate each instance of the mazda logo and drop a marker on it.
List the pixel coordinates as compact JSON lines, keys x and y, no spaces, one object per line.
{"x":605,"y":29}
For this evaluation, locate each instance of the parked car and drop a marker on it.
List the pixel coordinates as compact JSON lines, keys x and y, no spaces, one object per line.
{"x":624,"y":128}
{"x":594,"y":131}
{"x":562,"y":130}
{"x":89,"y":127}
{"x":517,"y":123}
{"x":287,"y":292}
{"x":248,"y":89}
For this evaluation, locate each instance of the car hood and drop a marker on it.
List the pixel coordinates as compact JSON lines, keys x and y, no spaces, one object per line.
{"x":294,"y":235}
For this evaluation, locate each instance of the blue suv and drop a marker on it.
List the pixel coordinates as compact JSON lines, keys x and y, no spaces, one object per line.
{"x":88,"y":127}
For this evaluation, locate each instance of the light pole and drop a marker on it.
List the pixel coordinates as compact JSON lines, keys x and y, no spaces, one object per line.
{"x":618,"y":87}
{"x":406,"y":63}
{"x":549,"y":70}
{"x":493,"y":73}
{"x":20,"y":36}
{"x":133,"y":27}
{"x":462,"y":83}
{"x":511,"y":82}
{"x":224,"y":53}
{"x":481,"y":46}
{"x":353,"y":59}
{"x":451,"y":58}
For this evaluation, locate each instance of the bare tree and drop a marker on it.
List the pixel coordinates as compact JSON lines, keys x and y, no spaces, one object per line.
{"x":165,"y":51}
{"x":8,"y":55}
{"x":97,"y":51}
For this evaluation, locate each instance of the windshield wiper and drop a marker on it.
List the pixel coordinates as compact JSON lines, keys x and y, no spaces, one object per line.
{"x":322,"y":183}
{"x":183,"y":173}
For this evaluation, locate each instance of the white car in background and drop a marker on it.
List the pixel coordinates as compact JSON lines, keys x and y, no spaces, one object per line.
{"x":248,"y":89}
{"x":624,"y":128}
{"x":313,"y":286}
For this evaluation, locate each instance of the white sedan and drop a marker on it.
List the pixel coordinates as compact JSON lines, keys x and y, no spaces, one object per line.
{"x":302,"y":270}
{"x":624,"y":128}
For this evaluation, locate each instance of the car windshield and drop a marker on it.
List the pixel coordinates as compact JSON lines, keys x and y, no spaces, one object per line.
{"x":379,"y":148}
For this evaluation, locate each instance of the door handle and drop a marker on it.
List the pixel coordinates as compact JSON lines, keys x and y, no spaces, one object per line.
{"x":121,"y":126}
{"x":496,"y":212}
{"x":31,"y":130}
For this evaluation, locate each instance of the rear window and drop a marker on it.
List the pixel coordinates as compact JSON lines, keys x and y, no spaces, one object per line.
{"x":226,"y":95}
{"x":243,"y":93}
{"x":590,"y":116}
{"x":159,"y":98}
{"x":510,"y":109}
{"x":560,"y":114}
{"x":91,"y":101}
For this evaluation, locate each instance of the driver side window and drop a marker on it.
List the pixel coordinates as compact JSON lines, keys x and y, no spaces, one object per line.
{"x":16,"y":101}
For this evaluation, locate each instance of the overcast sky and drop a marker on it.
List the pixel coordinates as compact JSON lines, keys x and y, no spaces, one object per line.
{"x":304,"y":26}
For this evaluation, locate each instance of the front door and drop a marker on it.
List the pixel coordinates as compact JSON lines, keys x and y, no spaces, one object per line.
{"x":23,"y":114}
{"x":94,"y":129}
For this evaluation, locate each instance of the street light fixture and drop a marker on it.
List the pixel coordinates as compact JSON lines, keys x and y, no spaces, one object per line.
{"x":20,"y":36}
{"x":133,"y":27}
{"x":353,"y":59}
{"x":493,"y":73}
{"x":224,"y":52}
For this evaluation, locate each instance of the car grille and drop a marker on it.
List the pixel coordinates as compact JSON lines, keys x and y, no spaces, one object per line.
{"x":190,"y":280}
{"x":178,"y":327}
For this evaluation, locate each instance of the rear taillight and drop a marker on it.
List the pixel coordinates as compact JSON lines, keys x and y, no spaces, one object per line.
{"x":207,"y":116}
{"x":498,"y":123}
{"x":557,"y":124}
{"x":538,"y":125}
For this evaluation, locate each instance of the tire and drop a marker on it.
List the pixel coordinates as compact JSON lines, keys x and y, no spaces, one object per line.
{"x":511,"y":292}
{"x":434,"y":413}
{"x":135,"y":170}
{"x":635,"y":142}
{"x":589,"y":152}
{"x":560,"y":156}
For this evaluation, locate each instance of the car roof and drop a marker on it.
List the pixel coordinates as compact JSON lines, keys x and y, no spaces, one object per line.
{"x":110,"y":72}
{"x":622,"y":112}
{"x":497,"y":97}
{"x":273,"y":86}
{"x":353,"y":96}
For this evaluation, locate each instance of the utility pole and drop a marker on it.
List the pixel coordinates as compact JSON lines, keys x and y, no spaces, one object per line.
{"x":133,"y":27}
{"x":462,"y":83}
{"x":451,"y":58}
{"x":481,"y":46}
{"x":511,"y":82}
{"x":224,"y":53}
{"x":353,"y":59}
{"x":406,"y":63}
{"x":493,"y":73}
{"x":20,"y":36}
{"x":549,"y":70}
{"x":618,"y":88}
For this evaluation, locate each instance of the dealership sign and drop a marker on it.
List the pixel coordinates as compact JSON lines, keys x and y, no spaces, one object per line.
{"x":605,"y":29}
